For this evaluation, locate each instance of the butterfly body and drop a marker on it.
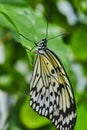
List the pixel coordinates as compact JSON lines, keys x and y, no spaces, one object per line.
{"x":42,"y":46}
{"x":51,"y":93}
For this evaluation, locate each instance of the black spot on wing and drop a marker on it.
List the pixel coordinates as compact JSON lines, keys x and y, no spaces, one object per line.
{"x":54,"y":83}
{"x":53,"y":71}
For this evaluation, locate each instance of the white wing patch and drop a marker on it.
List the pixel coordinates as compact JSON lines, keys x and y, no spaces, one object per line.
{"x":51,"y":94}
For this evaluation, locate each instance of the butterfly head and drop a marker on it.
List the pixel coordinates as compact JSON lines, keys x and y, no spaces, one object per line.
{"x":42,"y":45}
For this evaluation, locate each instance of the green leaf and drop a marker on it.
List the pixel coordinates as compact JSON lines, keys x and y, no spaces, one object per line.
{"x":79,"y":43}
{"x":81,"y":123}
{"x":16,"y":2}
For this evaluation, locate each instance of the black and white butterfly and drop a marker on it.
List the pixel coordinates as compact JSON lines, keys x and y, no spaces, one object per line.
{"x":51,"y":93}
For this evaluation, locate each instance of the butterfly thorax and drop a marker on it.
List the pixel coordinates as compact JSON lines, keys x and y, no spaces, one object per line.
{"x":42,"y":45}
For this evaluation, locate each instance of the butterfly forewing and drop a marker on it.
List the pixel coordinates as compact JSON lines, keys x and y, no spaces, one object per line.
{"x":51,"y":94}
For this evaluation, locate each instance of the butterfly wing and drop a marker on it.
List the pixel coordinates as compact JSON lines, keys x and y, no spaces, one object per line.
{"x":51,"y":94}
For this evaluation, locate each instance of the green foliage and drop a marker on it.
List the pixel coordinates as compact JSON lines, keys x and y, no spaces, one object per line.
{"x":17,"y":62}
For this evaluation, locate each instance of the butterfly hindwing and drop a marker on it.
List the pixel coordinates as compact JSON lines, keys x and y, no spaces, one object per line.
{"x":51,"y":93}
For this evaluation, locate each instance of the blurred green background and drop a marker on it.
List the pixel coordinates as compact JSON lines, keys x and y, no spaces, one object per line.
{"x":28,"y":17}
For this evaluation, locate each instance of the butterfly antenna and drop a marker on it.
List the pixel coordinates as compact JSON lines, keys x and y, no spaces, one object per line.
{"x":29,"y":49}
{"x":60,"y":35}
{"x":47,"y":29}
{"x":28,"y":39}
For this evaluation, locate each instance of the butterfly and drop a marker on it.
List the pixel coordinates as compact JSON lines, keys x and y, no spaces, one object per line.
{"x":51,"y":93}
